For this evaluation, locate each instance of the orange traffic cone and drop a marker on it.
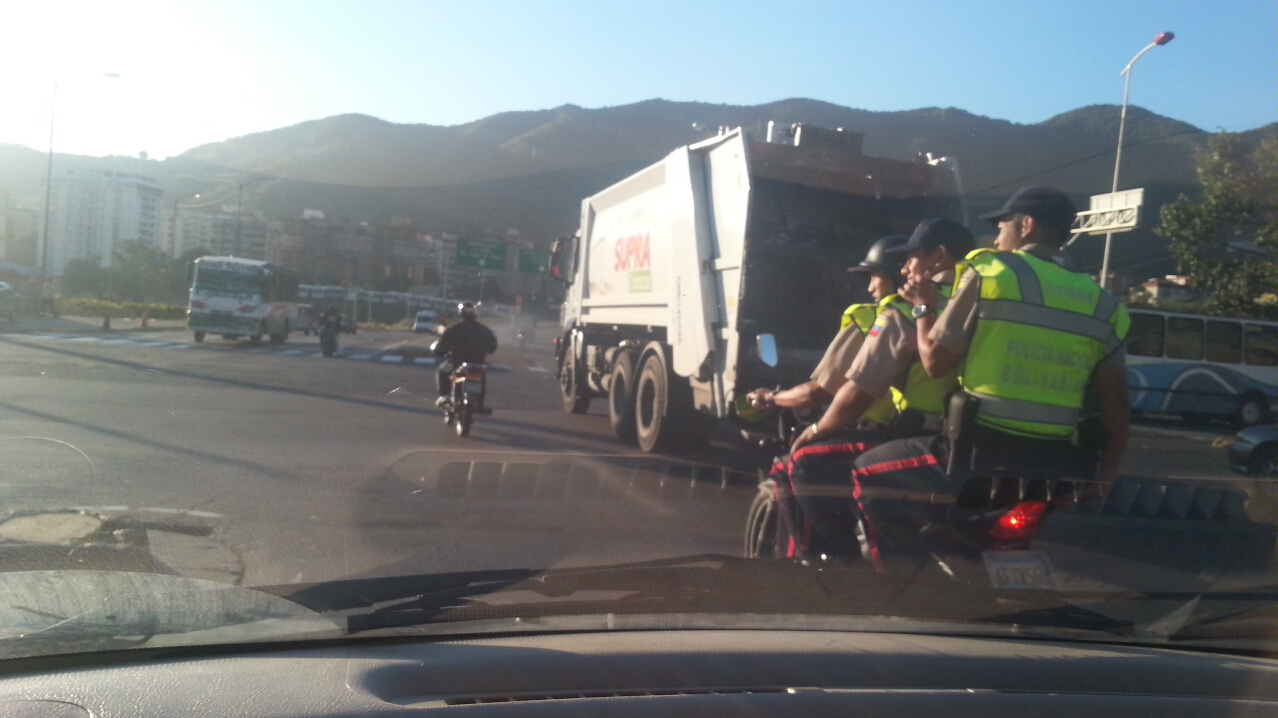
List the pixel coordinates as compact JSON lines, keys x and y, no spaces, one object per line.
{"x":106,"y":323}
{"x":145,"y":320}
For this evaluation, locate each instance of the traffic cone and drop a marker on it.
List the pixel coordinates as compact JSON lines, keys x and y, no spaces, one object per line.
{"x":106,"y":323}
{"x":145,"y":320}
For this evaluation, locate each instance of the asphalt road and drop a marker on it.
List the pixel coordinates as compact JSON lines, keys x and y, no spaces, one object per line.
{"x":266,"y":464}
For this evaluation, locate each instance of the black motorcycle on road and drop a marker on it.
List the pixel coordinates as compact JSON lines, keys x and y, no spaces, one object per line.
{"x":469,"y":387}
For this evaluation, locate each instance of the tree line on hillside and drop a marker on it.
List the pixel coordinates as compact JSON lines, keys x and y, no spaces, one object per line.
{"x":1227,"y":240}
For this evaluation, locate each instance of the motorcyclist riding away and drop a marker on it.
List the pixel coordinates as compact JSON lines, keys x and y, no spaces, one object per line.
{"x":885,"y":370}
{"x":1028,"y":337}
{"x":831,"y":463}
{"x":466,"y":342}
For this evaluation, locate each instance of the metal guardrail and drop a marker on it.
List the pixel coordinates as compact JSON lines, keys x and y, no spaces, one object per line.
{"x":593,"y":479}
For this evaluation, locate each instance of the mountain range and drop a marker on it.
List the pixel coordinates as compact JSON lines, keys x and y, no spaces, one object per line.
{"x":529,"y":170}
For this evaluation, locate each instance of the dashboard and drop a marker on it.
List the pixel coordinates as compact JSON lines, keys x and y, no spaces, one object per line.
{"x":674,"y":673}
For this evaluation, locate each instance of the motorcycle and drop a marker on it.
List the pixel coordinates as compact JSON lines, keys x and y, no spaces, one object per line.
{"x":328,"y":337}
{"x":469,"y":387}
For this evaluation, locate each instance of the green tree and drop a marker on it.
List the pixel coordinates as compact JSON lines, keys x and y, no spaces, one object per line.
{"x":1228,"y":240}
{"x":84,"y":277}
{"x":141,"y":273}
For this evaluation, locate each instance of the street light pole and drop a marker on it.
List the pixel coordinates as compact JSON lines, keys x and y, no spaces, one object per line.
{"x":48,"y":194}
{"x":1162,"y":39}
{"x":48,"y":189}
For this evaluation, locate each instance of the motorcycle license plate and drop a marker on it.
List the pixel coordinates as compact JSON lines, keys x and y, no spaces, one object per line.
{"x":1019,"y":569}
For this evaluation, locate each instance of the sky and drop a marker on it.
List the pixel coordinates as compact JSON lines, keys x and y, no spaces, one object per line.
{"x":190,"y":73}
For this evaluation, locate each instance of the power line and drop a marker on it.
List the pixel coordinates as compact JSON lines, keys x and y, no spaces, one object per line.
{"x":1081,"y":160}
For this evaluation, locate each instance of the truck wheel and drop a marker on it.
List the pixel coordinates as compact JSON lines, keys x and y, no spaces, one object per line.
{"x":621,"y":397}
{"x":572,"y":385}
{"x":657,"y":416}
{"x":199,"y":337}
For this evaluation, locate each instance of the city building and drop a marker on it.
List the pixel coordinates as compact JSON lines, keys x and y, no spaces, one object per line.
{"x":1173,"y":288}
{"x":223,"y":232}
{"x":91,"y":212}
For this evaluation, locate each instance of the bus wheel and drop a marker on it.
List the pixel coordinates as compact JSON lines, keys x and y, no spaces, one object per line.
{"x":1253,"y":409}
{"x":199,"y":337}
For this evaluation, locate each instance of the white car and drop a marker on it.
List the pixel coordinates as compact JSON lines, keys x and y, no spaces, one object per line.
{"x":426,"y":323}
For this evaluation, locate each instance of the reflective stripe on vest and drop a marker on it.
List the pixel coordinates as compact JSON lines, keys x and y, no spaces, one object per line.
{"x":1041,"y":330}
{"x":883,"y":410}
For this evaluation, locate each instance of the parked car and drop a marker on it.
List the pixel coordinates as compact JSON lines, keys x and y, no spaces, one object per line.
{"x":9,"y":300}
{"x":1255,"y":451}
{"x":348,"y":325}
{"x":427,"y":322}
{"x":307,"y":321}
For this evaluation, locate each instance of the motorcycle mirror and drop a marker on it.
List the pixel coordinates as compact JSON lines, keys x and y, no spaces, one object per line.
{"x":768,"y":349}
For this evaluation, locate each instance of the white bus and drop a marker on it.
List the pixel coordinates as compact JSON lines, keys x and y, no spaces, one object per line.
{"x":238,"y":297}
{"x":1203,"y":367}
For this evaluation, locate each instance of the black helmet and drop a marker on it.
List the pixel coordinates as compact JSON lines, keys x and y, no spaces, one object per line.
{"x":880,"y":259}
{"x":467,"y":310}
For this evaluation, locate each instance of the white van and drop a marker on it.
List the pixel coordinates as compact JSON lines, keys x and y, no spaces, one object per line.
{"x":426,"y":322}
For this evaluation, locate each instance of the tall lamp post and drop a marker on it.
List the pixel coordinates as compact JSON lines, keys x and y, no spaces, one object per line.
{"x":45,"y":289}
{"x":1162,"y":39}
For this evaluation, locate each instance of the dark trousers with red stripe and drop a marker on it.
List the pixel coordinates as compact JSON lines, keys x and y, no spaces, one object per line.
{"x":900,"y":487}
{"x":815,"y":513}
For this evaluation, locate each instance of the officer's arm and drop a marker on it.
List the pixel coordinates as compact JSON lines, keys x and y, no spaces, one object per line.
{"x":803,"y":396}
{"x":935,"y":356}
{"x":849,"y":404}
{"x":936,"y":359}
{"x":1110,"y":379}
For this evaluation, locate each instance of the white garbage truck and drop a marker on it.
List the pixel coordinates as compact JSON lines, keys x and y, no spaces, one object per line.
{"x":678,"y":269}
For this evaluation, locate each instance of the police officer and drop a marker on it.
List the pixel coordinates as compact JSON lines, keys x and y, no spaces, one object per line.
{"x":1027,"y":336}
{"x":883,"y":379}
{"x":884,"y":270}
{"x":830,"y":463}
{"x":890,"y":355}
{"x":467,"y":341}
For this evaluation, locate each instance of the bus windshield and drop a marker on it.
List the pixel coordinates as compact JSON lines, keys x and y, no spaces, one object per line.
{"x":221,"y":281}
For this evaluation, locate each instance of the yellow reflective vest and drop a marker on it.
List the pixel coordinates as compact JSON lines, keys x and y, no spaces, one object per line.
{"x":1041,"y":330}
{"x":921,"y":392}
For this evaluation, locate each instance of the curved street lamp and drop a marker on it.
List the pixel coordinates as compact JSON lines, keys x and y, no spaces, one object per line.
{"x":1162,"y":39}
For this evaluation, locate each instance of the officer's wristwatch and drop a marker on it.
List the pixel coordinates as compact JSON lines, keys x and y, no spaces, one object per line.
{"x":923,"y":310}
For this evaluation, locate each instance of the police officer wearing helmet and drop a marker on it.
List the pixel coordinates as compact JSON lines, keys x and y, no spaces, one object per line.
{"x":890,"y":350}
{"x":828,"y":466}
{"x":884,"y":270}
{"x":466,"y":342}
{"x":1027,"y":337}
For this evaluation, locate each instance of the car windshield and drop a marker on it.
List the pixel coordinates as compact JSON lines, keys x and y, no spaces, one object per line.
{"x":320,"y":322}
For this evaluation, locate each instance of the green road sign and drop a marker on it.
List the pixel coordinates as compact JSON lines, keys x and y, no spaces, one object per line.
{"x":481,"y":255}
{"x":532,"y":261}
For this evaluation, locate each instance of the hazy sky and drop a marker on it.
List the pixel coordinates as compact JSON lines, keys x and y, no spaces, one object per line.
{"x":196,"y":72}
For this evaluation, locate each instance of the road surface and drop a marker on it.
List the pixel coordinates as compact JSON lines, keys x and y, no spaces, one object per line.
{"x":267,"y":464}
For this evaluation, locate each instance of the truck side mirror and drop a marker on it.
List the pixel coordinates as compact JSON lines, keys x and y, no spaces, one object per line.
{"x":768,"y":350}
{"x":562,"y":255}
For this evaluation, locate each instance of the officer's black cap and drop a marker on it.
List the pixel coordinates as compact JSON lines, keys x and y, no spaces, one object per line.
{"x":939,"y":232}
{"x":1044,"y":204}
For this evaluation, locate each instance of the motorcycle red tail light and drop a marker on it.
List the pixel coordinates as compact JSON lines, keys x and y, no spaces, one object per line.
{"x":246,"y":308}
{"x":474,"y":375}
{"x":1020,"y":522}
{"x":197,"y":304}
